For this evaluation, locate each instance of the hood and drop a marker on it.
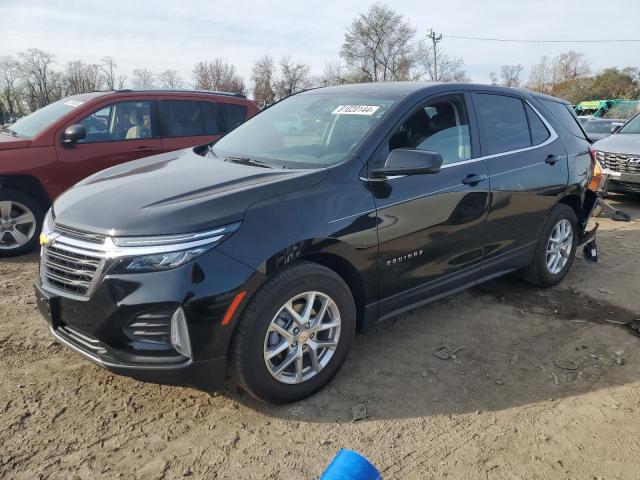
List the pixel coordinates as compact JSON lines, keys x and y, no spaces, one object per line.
{"x":176,"y":192}
{"x":594,"y":137}
{"x":626,"y":143}
{"x":8,"y":142}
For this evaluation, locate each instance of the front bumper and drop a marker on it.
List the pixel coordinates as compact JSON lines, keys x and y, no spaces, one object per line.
{"x":99,"y":327}
{"x":207,"y":375}
{"x":621,"y":181}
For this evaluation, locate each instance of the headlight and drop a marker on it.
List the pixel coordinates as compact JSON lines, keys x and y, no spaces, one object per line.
{"x":160,"y":261}
{"x":163,"y":252}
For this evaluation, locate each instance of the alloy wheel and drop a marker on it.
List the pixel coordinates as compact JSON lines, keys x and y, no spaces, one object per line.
{"x":302,"y":337}
{"x":559,"y":246}
{"x":17,"y":224}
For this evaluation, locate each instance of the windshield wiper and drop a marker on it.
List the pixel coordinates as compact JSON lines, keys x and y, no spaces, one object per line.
{"x":248,"y":161}
{"x":13,"y":133}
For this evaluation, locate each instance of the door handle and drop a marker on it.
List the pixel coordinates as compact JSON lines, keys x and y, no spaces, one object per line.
{"x":473,"y":179}
{"x":143,"y":149}
{"x":552,"y":159}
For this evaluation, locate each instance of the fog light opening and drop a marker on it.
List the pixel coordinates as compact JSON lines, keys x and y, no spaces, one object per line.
{"x":180,"y":334}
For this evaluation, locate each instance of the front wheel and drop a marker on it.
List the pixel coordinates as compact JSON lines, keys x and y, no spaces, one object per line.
{"x":20,"y":222}
{"x":556,"y":248}
{"x":294,"y":335}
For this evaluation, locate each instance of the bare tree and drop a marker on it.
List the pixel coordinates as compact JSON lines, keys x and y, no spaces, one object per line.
{"x":218,"y":74}
{"x":541,"y":76}
{"x":10,"y":93}
{"x":493,"y":78}
{"x":510,"y":75}
{"x":121,"y":81}
{"x":113,"y":81}
{"x":570,"y":65}
{"x":263,"y":79}
{"x":450,"y":69}
{"x":335,"y":73}
{"x":143,"y":79}
{"x":377,"y":45}
{"x":39,"y":79}
{"x":82,"y":78}
{"x":294,"y":77}
{"x":170,"y":79}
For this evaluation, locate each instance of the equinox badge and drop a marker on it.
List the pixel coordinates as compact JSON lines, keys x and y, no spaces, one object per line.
{"x":403,"y":258}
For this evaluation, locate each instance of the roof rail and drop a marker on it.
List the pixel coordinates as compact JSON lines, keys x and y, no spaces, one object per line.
{"x":182,"y":90}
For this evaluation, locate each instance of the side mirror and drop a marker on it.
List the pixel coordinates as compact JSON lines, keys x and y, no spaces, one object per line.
{"x":615,"y":128}
{"x":406,"y":161}
{"x":73,"y":133}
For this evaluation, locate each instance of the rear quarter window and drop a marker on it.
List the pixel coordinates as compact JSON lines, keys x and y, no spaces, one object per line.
{"x":565,"y":115}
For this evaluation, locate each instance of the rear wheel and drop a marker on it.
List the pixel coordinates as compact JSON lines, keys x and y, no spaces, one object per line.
{"x":294,"y":335}
{"x":20,"y":222}
{"x":556,"y":248}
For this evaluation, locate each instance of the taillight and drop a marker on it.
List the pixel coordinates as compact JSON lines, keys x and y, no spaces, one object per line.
{"x":596,"y":179}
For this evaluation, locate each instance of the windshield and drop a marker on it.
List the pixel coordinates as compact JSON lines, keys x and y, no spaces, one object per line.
{"x":632,"y":126}
{"x":305,"y":131}
{"x":599,"y":127}
{"x":33,"y":124}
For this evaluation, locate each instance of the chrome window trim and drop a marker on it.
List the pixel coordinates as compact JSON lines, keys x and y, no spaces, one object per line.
{"x":553,"y":136}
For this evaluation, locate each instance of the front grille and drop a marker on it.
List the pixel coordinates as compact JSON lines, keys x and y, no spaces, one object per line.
{"x":619,"y":162}
{"x":70,"y":266}
{"x":80,"y":234}
{"x":81,"y":340}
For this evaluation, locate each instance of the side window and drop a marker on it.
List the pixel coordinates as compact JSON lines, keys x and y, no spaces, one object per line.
{"x":97,"y":125}
{"x":232,"y":115}
{"x":565,"y":115}
{"x":503,"y":121}
{"x":539,"y":132}
{"x":440,"y":126}
{"x":212,"y":121}
{"x":181,"y":118}
{"x":119,"y":121}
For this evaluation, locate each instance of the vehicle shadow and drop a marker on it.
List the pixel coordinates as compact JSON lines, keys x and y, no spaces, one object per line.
{"x":513,"y":345}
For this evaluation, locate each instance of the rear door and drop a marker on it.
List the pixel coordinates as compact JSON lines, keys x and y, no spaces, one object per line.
{"x":432,"y":228}
{"x":117,"y":132}
{"x":189,"y":122}
{"x":527,"y":163}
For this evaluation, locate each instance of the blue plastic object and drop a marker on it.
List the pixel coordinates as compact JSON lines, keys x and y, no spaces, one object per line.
{"x":349,"y":465}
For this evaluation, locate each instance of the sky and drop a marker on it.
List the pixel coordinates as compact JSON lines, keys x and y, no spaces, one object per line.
{"x":176,"y":34}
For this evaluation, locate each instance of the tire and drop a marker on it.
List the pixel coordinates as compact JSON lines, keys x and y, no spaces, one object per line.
{"x":14,"y":205}
{"x":539,"y":272}
{"x":255,"y":334}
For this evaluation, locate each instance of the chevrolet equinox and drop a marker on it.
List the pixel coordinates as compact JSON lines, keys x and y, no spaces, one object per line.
{"x":262,"y":254}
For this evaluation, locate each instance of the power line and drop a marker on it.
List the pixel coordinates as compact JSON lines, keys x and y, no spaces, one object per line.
{"x":487,"y":39}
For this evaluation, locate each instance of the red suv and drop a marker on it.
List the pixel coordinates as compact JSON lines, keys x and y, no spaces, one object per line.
{"x":55,"y":147}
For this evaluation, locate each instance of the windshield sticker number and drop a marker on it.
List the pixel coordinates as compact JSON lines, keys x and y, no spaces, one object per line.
{"x":73,"y":103}
{"x":355,"y":109}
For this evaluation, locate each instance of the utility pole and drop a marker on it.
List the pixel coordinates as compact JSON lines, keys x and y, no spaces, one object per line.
{"x":435,"y":38}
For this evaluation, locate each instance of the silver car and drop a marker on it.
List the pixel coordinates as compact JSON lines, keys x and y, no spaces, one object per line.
{"x":619,"y":155}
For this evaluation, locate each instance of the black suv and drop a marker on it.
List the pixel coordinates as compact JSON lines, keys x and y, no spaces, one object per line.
{"x":262,"y":254}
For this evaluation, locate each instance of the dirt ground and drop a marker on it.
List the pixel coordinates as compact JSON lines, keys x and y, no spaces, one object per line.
{"x":546,"y":384}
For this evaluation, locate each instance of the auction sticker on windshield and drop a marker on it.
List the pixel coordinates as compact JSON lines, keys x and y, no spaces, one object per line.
{"x":355,"y":109}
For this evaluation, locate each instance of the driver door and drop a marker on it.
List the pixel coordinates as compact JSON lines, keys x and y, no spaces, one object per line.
{"x":432,"y":228}
{"x":116,"y":133}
